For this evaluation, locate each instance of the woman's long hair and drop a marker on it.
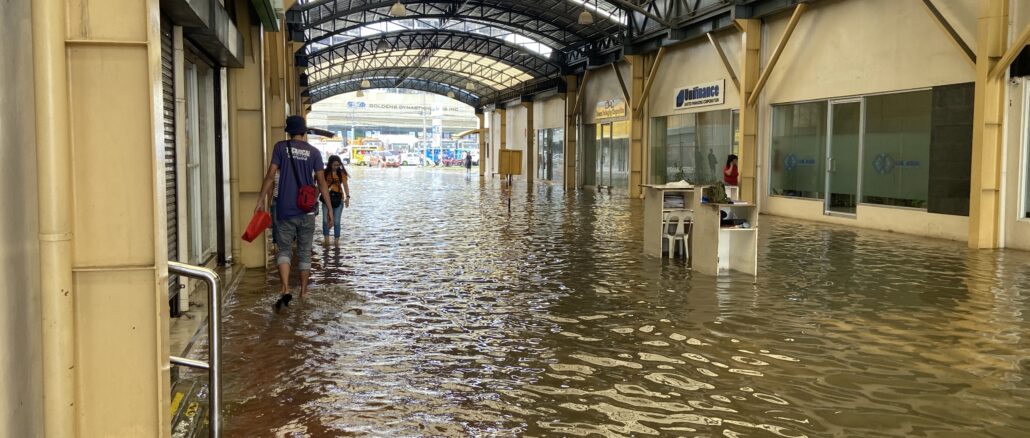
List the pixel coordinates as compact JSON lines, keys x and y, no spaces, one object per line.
{"x":342,"y":171}
{"x":729,"y":159}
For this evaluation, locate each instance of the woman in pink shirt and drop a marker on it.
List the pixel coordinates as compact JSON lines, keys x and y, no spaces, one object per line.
{"x":730,"y":173}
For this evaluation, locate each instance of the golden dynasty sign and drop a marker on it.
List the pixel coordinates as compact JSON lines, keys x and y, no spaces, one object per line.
{"x":610,"y":109}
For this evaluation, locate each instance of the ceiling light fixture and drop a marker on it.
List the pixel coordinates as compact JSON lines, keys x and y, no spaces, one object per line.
{"x":365,"y":83}
{"x":360,"y":93}
{"x":398,"y":10}
{"x":382,"y":46}
{"x":450,"y":94}
{"x":471,"y":86}
{"x":585,"y":18}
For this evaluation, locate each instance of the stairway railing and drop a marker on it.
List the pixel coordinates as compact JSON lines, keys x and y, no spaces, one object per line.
{"x":214,"y":330}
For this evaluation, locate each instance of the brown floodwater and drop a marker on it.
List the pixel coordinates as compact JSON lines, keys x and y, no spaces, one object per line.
{"x":548,"y":321}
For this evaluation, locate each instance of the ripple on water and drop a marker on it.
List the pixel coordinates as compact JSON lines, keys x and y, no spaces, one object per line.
{"x":547,"y":320}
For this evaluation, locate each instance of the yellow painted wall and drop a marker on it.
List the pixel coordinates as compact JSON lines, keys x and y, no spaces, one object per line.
{"x":516,"y":126}
{"x":517,"y":131}
{"x":549,"y":113}
{"x":602,"y":85}
{"x":495,"y":140}
{"x":693,"y":63}
{"x":1016,"y":228}
{"x":248,"y":135}
{"x":839,"y":49}
{"x":21,"y":386}
{"x":900,"y":220}
{"x":121,"y":308}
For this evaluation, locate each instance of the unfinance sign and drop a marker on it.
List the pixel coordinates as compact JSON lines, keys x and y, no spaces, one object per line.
{"x":712,"y":93}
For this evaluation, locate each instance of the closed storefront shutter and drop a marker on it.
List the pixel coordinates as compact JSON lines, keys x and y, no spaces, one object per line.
{"x":171,"y":190}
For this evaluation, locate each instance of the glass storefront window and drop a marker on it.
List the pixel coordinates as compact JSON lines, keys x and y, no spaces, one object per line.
{"x":1026,"y":181}
{"x":550,"y":154}
{"x":896,"y":149}
{"x":691,"y":147}
{"x":798,"y":150}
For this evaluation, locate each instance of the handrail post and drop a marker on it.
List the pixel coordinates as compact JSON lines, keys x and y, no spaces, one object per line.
{"x":214,"y":331}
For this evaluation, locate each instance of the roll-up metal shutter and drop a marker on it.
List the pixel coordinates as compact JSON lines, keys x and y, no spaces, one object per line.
{"x":171,"y":190}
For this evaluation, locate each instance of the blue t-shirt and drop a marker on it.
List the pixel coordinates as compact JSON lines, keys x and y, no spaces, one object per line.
{"x":308,"y":161}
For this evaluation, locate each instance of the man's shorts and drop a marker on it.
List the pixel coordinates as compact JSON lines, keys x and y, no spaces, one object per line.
{"x":302,"y":229}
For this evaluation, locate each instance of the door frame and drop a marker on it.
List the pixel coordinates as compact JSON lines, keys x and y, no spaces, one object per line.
{"x":827,"y":160}
{"x":601,"y":181}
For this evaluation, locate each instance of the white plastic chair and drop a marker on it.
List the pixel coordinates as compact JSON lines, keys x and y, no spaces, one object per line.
{"x":682,"y":222}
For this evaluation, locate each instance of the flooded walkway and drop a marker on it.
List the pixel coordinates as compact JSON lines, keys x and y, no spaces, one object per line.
{"x":549,"y":321}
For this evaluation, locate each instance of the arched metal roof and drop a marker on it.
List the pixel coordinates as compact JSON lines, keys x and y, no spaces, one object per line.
{"x":436,"y":40}
{"x":504,"y":48}
{"x":436,"y":85}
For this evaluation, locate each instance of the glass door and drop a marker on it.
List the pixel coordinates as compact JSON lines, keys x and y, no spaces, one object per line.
{"x":604,"y":155}
{"x":843,"y":155}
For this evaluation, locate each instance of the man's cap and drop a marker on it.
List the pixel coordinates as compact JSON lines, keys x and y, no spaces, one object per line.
{"x":295,"y":125}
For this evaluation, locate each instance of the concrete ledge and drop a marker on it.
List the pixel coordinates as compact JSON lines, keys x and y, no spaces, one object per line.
{"x":900,"y":220}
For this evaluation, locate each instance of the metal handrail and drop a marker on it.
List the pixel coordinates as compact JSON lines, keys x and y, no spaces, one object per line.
{"x":214,"y":330}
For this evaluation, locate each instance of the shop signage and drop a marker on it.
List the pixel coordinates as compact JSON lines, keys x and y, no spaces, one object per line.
{"x":884,"y":164}
{"x":712,"y":93}
{"x":610,"y":109}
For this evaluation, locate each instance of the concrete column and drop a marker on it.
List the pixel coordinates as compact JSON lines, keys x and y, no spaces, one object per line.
{"x":119,"y":248}
{"x":571,"y":129}
{"x":751,"y":45}
{"x":482,"y":142}
{"x":988,"y":114}
{"x":247,"y":137}
{"x":636,"y":124}
{"x":21,"y":376}
{"x":54,"y":268}
{"x":530,"y":138}
{"x":503,"y":128}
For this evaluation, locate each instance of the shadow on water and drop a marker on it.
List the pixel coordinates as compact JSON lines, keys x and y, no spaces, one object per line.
{"x":548,"y":321}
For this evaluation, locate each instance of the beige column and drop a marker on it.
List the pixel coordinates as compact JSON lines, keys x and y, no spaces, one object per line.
{"x":113,"y":345}
{"x":530,"y":137}
{"x":571,"y":129}
{"x":54,"y":181}
{"x":482,"y":142}
{"x":751,"y":44}
{"x":503,"y":128}
{"x":636,"y":124}
{"x":247,"y":137}
{"x":988,"y":112}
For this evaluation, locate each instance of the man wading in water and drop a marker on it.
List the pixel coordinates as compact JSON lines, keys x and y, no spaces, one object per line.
{"x":299,"y":165}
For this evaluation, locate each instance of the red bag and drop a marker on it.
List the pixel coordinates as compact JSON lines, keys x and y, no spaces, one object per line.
{"x":307,"y":195}
{"x":258,"y":223}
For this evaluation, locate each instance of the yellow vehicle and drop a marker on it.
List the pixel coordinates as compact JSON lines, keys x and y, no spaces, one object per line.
{"x":359,"y":155}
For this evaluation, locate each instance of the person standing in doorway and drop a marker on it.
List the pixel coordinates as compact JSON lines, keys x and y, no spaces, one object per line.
{"x":730,"y":173}
{"x":339,"y":196}
{"x":468,"y":164}
{"x":299,"y":165}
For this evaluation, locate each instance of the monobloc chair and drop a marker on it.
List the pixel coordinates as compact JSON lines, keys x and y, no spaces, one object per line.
{"x":681,"y":221}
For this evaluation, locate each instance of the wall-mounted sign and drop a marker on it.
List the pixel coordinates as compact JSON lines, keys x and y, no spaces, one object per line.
{"x":712,"y":93}
{"x":610,"y":109}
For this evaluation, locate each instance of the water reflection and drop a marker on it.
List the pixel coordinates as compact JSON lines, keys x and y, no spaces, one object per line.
{"x":548,"y":321}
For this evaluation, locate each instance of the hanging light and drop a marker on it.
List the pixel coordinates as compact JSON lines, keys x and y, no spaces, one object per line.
{"x":382,"y":46}
{"x":450,"y":94}
{"x":360,"y":93}
{"x":471,"y":86}
{"x":365,"y":83}
{"x":398,"y":10}
{"x":586,"y":18}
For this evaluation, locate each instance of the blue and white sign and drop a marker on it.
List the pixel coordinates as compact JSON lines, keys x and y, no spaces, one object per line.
{"x":712,"y":93}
